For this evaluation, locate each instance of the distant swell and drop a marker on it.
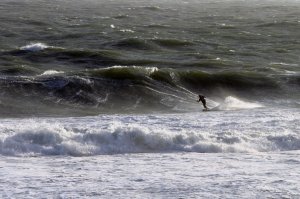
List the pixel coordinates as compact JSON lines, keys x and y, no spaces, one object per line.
{"x":151,"y":44}
{"x":41,"y":53}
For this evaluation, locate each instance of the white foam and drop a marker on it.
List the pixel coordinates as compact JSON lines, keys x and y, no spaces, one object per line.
{"x":51,"y":72}
{"x":35,"y":47}
{"x":232,"y":103}
{"x":284,"y":64}
{"x":147,"y":70}
{"x":127,"y":30}
{"x":46,"y":139}
{"x":216,"y":132}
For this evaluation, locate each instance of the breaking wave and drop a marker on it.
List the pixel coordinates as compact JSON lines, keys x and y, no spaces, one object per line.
{"x":131,"y":88}
{"x":91,"y":81}
{"x":116,"y":137}
{"x":35,"y":47}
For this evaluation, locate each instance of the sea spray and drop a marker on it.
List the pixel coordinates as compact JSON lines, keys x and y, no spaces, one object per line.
{"x":203,"y":132}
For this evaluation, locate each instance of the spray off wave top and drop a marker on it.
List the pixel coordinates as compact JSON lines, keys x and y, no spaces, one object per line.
{"x":210,"y":132}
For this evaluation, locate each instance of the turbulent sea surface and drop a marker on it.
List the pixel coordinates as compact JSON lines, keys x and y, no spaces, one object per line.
{"x":98,"y":99}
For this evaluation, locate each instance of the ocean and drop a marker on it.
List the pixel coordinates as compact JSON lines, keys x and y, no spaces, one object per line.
{"x":98,"y":99}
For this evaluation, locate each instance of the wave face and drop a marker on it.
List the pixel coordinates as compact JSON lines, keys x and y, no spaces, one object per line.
{"x":215,"y":132}
{"x":127,"y":89}
{"x":120,"y":57}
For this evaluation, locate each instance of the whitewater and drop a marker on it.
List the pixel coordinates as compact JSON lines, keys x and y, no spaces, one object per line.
{"x":98,"y":99}
{"x":241,"y":149}
{"x":231,"y":127}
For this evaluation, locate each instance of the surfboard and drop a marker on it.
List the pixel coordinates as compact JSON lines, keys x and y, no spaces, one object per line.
{"x":216,"y":108}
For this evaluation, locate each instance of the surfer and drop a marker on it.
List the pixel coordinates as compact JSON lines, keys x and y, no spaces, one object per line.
{"x":202,"y":99}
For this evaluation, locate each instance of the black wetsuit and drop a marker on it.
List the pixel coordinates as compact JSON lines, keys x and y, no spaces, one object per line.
{"x":202,"y":99}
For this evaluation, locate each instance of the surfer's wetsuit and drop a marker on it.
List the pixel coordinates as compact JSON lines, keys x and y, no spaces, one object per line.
{"x":202,"y":99}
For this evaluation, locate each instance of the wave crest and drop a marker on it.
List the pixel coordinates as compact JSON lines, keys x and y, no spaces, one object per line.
{"x":120,"y":139}
{"x":35,"y":47}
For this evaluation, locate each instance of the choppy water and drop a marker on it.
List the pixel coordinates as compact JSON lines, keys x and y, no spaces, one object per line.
{"x":153,"y":176}
{"x":93,"y":57}
{"x":98,"y":99}
{"x":243,"y":153}
{"x":239,"y":131}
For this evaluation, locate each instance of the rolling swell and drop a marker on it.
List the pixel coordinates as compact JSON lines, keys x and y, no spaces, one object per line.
{"x":191,"y":79}
{"x":102,"y":58}
{"x":232,"y":80}
{"x":130,"y":89}
{"x":135,"y":43}
{"x":51,"y":80}
{"x":151,"y":44}
{"x":82,"y":58}
{"x":172,"y":43}
{"x":165,"y":53}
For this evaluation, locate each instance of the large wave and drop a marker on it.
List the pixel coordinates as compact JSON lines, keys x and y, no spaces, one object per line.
{"x":148,"y":134}
{"x":128,"y":88}
{"x":100,"y":81}
{"x":124,"y":88}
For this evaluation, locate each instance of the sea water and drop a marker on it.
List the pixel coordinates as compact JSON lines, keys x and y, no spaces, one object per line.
{"x":249,"y":153}
{"x":98,"y":99}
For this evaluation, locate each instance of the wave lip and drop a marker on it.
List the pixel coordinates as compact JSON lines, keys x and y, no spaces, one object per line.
{"x":51,"y":72}
{"x":35,"y":47}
